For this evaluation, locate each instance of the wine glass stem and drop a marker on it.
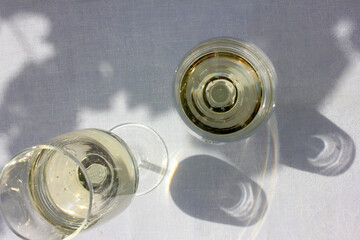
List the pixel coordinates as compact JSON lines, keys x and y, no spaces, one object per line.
{"x":150,"y":166}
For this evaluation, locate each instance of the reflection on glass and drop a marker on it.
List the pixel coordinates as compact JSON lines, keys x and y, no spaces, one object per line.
{"x":334,"y":153}
{"x":245,"y":201}
{"x":210,"y":189}
{"x":312,"y":143}
{"x":67,"y":184}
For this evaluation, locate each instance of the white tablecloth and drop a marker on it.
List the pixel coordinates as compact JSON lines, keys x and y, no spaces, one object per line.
{"x":78,"y":64}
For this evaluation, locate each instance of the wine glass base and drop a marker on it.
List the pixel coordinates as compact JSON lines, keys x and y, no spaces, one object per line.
{"x":150,"y":153}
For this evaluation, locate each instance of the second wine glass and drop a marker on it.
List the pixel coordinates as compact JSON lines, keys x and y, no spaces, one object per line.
{"x":225,"y":89}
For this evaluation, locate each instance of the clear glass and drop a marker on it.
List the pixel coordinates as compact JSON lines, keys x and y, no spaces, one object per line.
{"x":225,"y":89}
{"x":150,"y":153}
{"x":59,"y":188}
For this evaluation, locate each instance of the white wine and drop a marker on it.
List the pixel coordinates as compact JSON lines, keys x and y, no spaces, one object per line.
{"x":221,"y":93}
{"x":224,"y":88}
{"x":57,"y":189}
{"x":58,"y":186}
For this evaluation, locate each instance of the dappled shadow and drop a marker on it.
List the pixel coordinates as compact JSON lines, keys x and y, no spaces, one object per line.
{"x":104,"y":47}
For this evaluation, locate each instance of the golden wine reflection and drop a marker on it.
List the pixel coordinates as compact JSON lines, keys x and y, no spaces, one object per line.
{"x":334,"y":153}
{"x":173,"y":165}
{"x":312,"y":143}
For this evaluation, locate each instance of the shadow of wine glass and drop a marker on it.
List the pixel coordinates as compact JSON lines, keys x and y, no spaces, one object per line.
{"x":2,"y":222}
{"x":310,"y":142}
{"x":210,"y":189}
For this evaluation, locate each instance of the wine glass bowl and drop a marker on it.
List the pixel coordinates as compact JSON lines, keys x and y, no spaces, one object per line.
{"x":65,"y":185}
{"x":225,"y":89}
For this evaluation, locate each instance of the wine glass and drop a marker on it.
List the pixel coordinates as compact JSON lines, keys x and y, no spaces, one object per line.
{"x":225,"y":89}
{"x":59,"y":188}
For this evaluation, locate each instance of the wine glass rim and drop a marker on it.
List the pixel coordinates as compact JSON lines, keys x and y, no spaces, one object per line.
{"x":81,"y":167}
{"x":269,"y":78}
